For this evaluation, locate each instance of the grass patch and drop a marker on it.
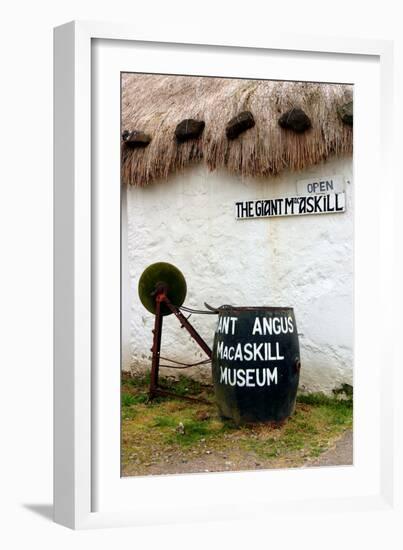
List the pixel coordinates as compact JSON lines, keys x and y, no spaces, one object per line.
{"x":322,"y":399}
{"x":164,"y":422}
{"x":138,"y":381}
{"x":193,"y":431}
{"x":129,"y":399}
{"x":345,"y":391}
{"x":183,"y":386}
{"x":168,"y":432}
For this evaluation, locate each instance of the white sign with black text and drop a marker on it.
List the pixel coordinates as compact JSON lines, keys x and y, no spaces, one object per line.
{"x":331,"y":203}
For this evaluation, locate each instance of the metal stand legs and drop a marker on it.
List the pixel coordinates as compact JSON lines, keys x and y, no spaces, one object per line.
{"x":160,"y":298}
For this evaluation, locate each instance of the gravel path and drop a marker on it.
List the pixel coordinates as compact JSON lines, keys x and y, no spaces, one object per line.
{"x":341,"y":454}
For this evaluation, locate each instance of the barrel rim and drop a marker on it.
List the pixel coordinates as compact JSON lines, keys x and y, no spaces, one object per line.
{"x":255,"y":308}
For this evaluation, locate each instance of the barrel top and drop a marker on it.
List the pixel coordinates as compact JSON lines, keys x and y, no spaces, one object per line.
{"x":223,"y":309}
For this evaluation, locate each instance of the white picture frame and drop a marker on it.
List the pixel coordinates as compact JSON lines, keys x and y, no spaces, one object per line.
{"x":85,"y":493}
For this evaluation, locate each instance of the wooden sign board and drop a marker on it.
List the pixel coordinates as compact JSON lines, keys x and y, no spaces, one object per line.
{"x":331,"y":203}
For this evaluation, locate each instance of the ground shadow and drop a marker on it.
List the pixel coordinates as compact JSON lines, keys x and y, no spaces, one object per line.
{"x":44,"y":510}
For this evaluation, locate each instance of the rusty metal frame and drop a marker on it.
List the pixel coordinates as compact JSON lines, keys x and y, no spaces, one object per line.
{"x":161,"y":298}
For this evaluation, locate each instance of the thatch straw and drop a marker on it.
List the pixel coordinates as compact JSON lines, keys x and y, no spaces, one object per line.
{"x":156,"y":104}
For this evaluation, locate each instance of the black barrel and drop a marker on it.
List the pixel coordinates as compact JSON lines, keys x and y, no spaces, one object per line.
{"x":256,"y":363}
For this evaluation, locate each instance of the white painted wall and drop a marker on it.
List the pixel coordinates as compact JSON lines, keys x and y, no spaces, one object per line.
{"x":301,"y":261}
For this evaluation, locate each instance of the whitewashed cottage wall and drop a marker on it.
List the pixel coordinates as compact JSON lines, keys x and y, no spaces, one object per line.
{"x":302,"y":261}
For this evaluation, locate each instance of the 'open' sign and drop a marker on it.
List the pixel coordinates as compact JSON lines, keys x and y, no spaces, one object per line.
{"x":322,"y":185}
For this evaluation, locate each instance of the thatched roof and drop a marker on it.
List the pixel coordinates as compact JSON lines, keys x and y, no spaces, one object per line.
{"x":155,"y":105}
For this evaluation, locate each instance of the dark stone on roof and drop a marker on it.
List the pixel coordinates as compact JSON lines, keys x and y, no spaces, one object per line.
{"x":346,"y":113}
{"x":296,"y":120}
{"x":136,"y":139}
{"x":239,"y":124}
{"x":189,"y":129}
